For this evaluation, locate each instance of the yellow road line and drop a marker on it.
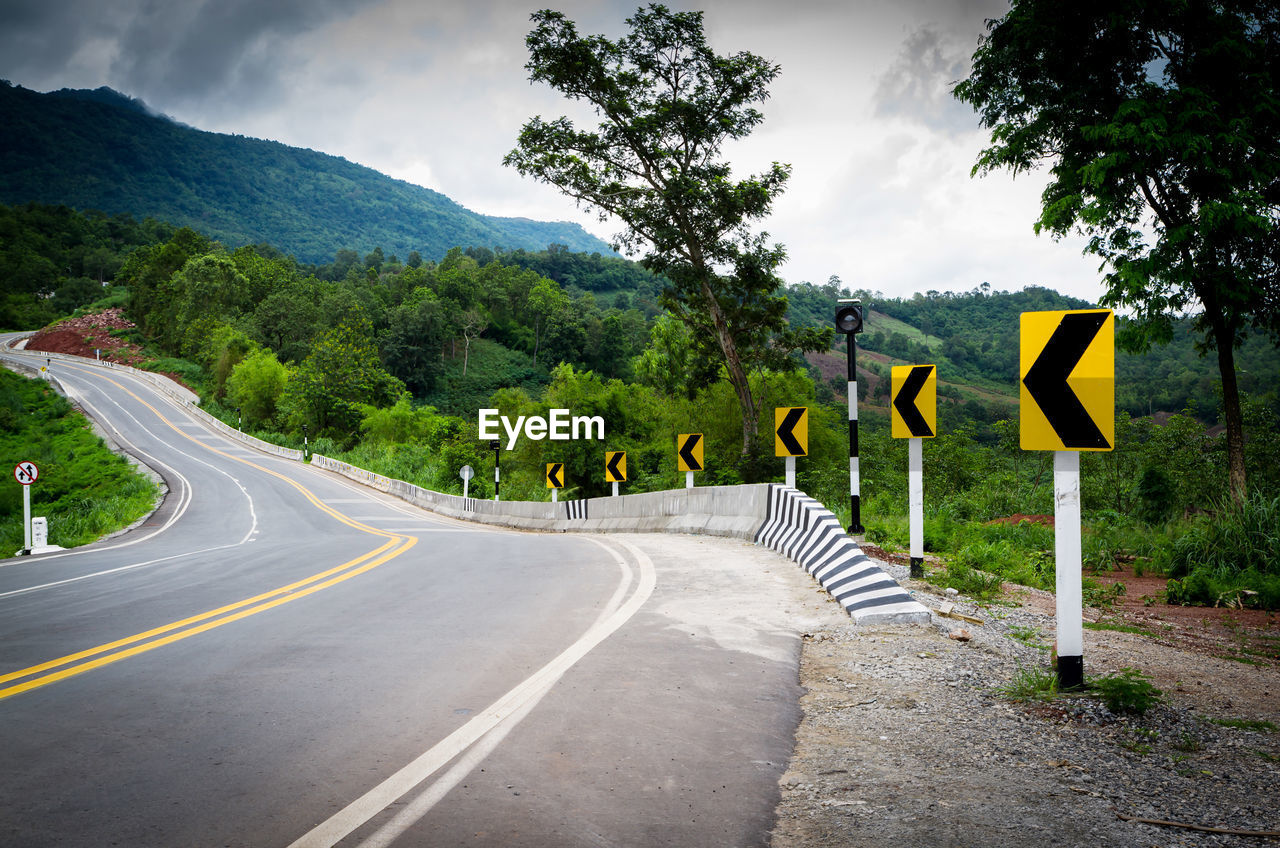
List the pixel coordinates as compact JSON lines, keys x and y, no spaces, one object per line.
{"x":130,"y":646}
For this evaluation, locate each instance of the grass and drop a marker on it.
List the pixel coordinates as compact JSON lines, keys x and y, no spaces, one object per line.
{"x":1127,"y":691}
{"x":84,"y":490}
{"x":1031,"y":684}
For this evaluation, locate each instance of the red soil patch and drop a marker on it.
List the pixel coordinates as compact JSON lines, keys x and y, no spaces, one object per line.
{"x":82,"y":336}
{"x":1248,"y":634}
{"x":86,"y":334}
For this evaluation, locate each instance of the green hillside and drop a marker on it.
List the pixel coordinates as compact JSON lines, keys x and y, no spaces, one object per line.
{"x":102,"y":150}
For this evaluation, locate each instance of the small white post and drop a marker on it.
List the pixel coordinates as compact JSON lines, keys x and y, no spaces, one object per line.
{"x":615,"y":488}
{"x":554,"y":493}
{"x":466,"y":484}
{"x":915,"y":501}
{"x":791,"y":471}
{"x":1066,"y":538}
{"x":688,"y":479}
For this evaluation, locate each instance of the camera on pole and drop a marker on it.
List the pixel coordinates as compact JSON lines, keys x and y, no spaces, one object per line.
{"x":849,"y":318}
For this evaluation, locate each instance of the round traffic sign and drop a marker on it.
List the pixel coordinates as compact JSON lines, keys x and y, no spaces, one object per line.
{"x":26,"y":473}
{"x":466,"y":472}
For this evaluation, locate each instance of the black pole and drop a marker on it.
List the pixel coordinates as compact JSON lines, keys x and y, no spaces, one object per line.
{"x":304,"y":442}
{"x":855,"y":485}
{"x":848,"y":320}
{"x":497,"y":477}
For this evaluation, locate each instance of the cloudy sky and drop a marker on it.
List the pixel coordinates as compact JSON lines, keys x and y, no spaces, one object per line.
{"x":435,"y":93}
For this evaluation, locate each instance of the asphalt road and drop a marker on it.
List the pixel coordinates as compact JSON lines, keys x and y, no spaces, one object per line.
{"x":280,"y":657}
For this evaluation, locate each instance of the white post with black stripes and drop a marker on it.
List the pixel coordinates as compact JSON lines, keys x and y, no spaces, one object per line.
{"x":915,"y":503}
{"x":1067,"y":577}
{"x":496,"y":447}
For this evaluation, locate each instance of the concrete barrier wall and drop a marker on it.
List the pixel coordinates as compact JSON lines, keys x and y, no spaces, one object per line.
{"x":781,"y":518}
{"x":735,"y":511}
{"x":802,"y":529}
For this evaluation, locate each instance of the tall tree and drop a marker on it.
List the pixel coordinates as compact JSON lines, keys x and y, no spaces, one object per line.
{"x":1161,"y":124}
{"x":667,"y":105}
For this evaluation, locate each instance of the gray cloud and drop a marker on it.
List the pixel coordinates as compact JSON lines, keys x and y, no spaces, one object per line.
{"x":918,"y":85}
{"x":160,"y":50}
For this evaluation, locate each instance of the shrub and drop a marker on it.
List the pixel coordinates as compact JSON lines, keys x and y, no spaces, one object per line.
{"x":1031,"y":684}
{"x":977,"y":584}
{"x":1127,"y":691}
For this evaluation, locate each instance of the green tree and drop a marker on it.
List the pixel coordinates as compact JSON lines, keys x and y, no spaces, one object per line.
{"x":1161,"y":122}
{"x":665,"y":363}
{"x":668,"y":105}
{"x":256,"y":384}
{"x":342,"y":373}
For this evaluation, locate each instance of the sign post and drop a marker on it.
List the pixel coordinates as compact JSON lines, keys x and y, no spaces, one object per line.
{"x":914,"y":416}
{"x":26,"y":473}
{"x":615,"y":468}
{"x":466,"y":472}
{"x":791,"y":436}
{"x":496,"y":447}
{"x":1067,"y":405}
{"x":555,"y":478}
{"x":689,"y":455}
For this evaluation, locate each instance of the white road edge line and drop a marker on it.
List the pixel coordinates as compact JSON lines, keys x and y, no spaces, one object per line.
{"x":363,"y":809}
{"x":416,"y":808}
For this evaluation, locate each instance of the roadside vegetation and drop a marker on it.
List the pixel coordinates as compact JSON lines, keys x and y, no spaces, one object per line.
{"x":385,"y":364}
{"x":84,"y":490}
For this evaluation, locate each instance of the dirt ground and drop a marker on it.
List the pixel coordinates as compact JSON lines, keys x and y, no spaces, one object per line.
{"x":913,"y":735}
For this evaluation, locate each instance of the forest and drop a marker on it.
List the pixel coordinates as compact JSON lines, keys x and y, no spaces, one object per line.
{"x":384,"y":361}
{"x":103,"y":150}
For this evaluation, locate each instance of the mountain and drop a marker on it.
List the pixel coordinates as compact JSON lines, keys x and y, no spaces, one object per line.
{"x":104,"y":150}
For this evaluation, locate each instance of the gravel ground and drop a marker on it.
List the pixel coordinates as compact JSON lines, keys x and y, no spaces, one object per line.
{"x":907,"y":740}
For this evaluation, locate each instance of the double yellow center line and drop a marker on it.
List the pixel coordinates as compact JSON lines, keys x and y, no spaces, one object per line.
{"x":130,"y":646}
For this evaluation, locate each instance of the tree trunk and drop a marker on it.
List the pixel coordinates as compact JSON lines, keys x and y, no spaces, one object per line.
{"x":1234,"y":421}
{"x":733,"y":364}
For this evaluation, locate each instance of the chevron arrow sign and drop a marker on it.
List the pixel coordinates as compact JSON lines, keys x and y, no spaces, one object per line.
{"x":791,"y":431}
{"x":615,"y":466}
{"x":1068,"y":380}
{"x":914,"y":411}
{"x":689,"y":452}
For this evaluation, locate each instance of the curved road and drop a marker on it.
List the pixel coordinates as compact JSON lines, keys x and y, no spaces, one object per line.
{"x":280,"y":657}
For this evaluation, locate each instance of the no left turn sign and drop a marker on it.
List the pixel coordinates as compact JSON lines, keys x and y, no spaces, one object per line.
{"x":26,"y":473}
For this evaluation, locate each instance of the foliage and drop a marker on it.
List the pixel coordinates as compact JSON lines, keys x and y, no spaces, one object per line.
{"x":1031,"y":684}
{"x":668,"y":104}
{"x":256,"y":385}
{"x":1127,"y":691}
{"x":1162,"y":126}
{"x":54,"y":260}
{"x":84,"y":489}
{"x":967,"y":580}
{"x":1227,"y":558}
{"x":1235,"y":537}
{"x":342,"y":372}
{"x":98,"y":150}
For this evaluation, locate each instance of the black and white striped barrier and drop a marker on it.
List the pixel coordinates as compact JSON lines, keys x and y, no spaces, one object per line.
{"x":802,"y":529}
{"x":575,"y":510}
